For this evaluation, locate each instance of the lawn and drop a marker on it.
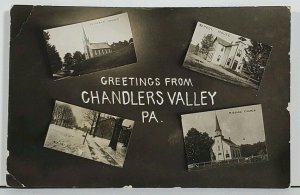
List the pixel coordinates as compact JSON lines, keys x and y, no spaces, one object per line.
{"x":117,"y":58}
{"x":95,"y":148}
{"x":215,"y":71}
{"x":229,"y":163}
{"x":67,"y":140}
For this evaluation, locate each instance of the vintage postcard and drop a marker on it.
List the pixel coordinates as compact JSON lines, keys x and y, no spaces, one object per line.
{"x":221,"y":138}
{"x":89,"y":134}
{"x":227,"y":56}
{"x":90,"y":46}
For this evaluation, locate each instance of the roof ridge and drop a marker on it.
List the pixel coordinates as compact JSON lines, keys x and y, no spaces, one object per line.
{"x":228,"y":140}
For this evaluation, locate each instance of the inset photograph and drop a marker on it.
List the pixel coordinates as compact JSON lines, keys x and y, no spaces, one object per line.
{"x":222,"y":138}
{"x":89,"y":134}
{"x":227,"y":56}
{"x":90,"y":46}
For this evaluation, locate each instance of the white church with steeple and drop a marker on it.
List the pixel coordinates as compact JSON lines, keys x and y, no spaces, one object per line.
{"x":92,"y":49}
{"x":222,"y":148}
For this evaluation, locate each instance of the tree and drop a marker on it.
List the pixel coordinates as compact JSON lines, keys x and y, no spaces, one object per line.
{"x":63,"y":116}
{"x":198,"y":146}
{"x":207,"y":44}
{"x":54,"y":58}
{"x":255,"y":149}
{"x":92,"y":118}
{"x":68,"y":60}
{"x":125,"y":43}
{"x":69,"y":118}
{"x":197,"y":49}
{"x":116,"y":133}
{"x":257,"y":56}
{"x":130,"y":41}
{"x":78,"y":57}
{"x":121,"y":44}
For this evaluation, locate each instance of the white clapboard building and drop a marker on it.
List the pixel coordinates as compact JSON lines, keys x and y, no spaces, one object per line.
{"x":222,"y":148}
{"x":228,"y":54}
{"x":92,"y":49}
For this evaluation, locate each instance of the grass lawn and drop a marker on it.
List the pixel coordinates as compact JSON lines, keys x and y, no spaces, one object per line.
{"x":117,"y":58}
{"x":229,"y":163}
{"x":216,"y":71}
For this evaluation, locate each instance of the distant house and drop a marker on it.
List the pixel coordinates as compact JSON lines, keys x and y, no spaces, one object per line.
{"x":92,"y":50}
{"x":222,"y":148}
{"x":228,"y":55}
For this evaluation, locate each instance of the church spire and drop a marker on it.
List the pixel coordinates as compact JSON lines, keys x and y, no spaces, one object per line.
{"x":218,"y":129}
{"x":86,"y":44}
{"x":84,"y":35}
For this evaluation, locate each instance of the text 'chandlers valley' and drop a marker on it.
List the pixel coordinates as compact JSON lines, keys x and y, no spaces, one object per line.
{"x":141,"y":98}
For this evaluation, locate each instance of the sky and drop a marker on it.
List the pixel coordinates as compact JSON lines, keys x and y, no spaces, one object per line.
{"x":204,"y":29}
{"x":79,"y":114}
{"x":110,"y":29}
{"x":242,"y":126}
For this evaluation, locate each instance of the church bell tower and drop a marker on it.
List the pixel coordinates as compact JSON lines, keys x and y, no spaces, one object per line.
{"x":86,"y":44}
{"x":219,"y":149}
{"x":218,"y":129}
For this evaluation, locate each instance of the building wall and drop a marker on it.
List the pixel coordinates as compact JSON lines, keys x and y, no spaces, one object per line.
{"x":100,"y":52}
{"x":218,"y":54}
{"x":227,"y":152}
{"x":235,"y":57}
{"x":86,"y":50}
{"x":231,"y":56}
{"x":236,"y":152}
{"x":240,"y":58}
{"x":225,"y":58}
{"x":90,"y":52}
{"x":218,"y":149}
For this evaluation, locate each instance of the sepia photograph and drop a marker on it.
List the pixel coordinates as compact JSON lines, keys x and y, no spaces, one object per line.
{"x":223,"y":138}
{"x":227,"y":56}
{"x":90,"y":46}
{"x":89,"y":134}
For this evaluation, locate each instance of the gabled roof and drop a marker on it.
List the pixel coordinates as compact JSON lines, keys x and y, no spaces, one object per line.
{"x":222,"y":42}
{"x":102,"y":45}
{"x":229,"y":142}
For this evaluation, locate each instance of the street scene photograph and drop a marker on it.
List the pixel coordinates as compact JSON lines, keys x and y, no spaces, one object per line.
{"x":223,"y":138}
{"x":90,"y":46}
{"x":227,"y":56}
{"x":89,"y":134}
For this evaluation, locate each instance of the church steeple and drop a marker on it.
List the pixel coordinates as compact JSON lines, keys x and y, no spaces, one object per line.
{"x":218,"y":129}
{"x":86,"y":44}
{"x":84,"y":35}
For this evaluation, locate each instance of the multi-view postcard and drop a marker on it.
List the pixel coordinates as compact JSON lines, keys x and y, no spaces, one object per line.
{"x":89,"y":134}
{"x":227,"y":56}
{"x":222,"y":138}
{"x":90,"y":46}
